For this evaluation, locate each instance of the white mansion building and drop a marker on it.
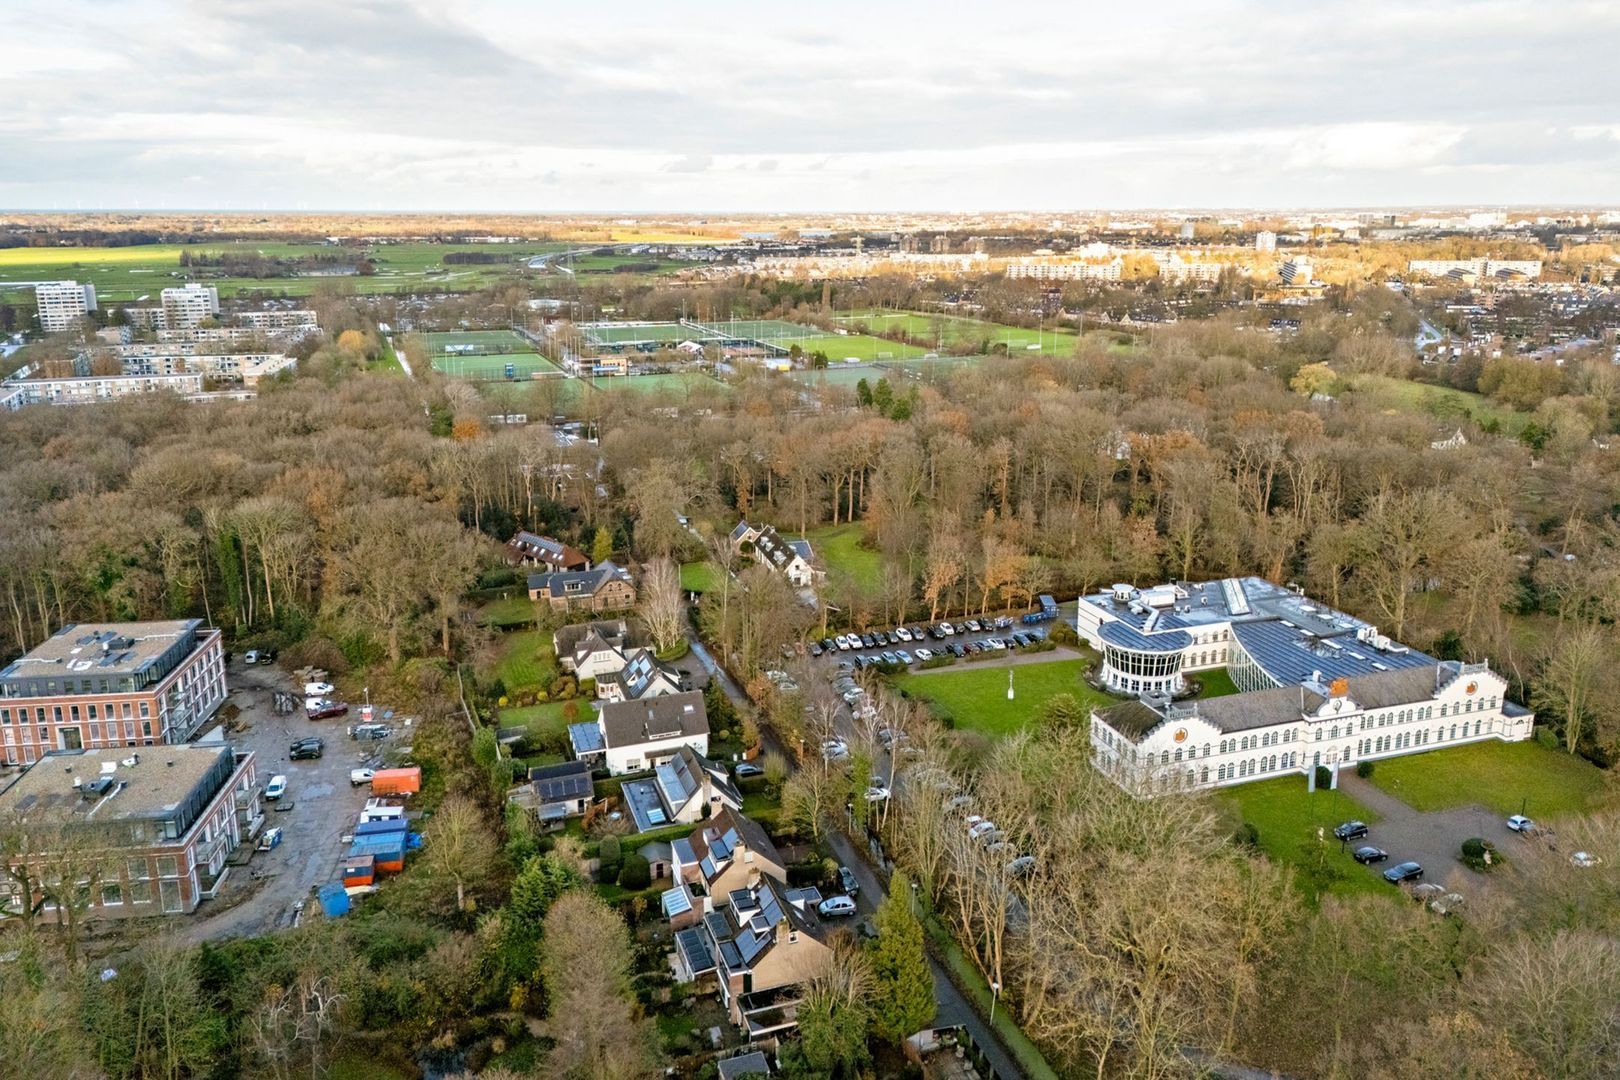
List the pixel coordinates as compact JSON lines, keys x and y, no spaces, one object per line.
{"x":1315,"y":687}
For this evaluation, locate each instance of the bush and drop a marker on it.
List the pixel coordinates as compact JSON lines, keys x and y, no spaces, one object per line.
{"x":1247,"y":836}
{"x":1063,"y":633}
{"x":938,"y":660}
{"x":1364,"y":769}
{"x":1474,"y":852}
{"x":587,"y":688}
{"x":1546,"y":737}
{"x":1324,"y":777}
{"x":635,"y":873}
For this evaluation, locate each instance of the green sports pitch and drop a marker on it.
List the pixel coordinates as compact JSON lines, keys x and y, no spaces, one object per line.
{"x":953,"y":331}
{"x":484,"y":354}
{"x":639,"y":334}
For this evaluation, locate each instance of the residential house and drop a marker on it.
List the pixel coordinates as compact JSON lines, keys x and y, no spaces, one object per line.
{"x":642,"y":677}
{"x":727,"y":852}
{"x":561,"y":791}
{"x":531,"y":549}
{"x":751,"y":1063}
{"x":593,"y":649}
{"x":793,"y":559}
{"x":680,"y":790}
{"x":761,"y":944}
{"x":607,"y":587}
{"x":632,"y":736}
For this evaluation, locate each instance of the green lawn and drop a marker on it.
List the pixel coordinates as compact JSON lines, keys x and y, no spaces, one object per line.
{"x":1288,"y":819}
{"x":840,"y":551}
{"x":700,"y":576}
{"x":526,"y":660}
{"x":938,"y":332}
{"x":839,"y":347}
{"x":548,"y":719}
{"x":1217,"y":683}
{"x":976,"y":697}
{"x":513,"y":611}
{"x":1504,"y":777}
{"x":675,"y":384}
{"x":1446,"y":404}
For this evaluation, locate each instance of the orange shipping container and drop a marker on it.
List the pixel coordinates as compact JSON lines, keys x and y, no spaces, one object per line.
{"x":397,"y":781}
{"x":391,"y":866}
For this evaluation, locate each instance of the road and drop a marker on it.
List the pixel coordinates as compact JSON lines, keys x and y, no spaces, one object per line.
{"x":953,"y":1007}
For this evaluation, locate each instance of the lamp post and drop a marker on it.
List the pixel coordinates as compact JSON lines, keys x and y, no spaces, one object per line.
{"x":1009,"y":684}
{"x":995,"y":993}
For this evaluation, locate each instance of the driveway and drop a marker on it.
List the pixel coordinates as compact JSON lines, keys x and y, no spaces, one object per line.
{"x":1433,"y":839}
{"x":259,"y":897}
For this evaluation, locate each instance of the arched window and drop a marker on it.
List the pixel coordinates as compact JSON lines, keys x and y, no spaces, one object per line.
{"x":1164,"y":758}
{"x":1203,"y":775}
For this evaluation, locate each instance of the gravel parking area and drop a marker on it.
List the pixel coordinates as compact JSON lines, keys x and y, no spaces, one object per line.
{"x":260,"y":896}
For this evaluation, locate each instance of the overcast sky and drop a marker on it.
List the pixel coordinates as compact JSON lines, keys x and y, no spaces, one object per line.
{"x":713,"y":106}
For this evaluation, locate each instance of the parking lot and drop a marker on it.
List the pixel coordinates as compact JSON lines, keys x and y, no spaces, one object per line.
{"x":1433,"y":840}
{"x":260,"y":896}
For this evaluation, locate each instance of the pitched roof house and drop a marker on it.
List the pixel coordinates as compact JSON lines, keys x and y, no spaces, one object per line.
{"x":605,"y":588}
{"x":644,"y":675}
{"x":642,"y":734}
{"x":679,"y":791}
{"x":592,"y":649}
{"x":561,"y":791}
{"x":531,"y":549}
{"x":729,"y":851}
{"x":794,"y":559}
{"x":761,"y":944}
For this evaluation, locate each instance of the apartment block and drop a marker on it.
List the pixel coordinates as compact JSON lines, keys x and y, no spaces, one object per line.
{"x":189,"y":306}
{"x":99,"y":685}
{"x":62,"y":304}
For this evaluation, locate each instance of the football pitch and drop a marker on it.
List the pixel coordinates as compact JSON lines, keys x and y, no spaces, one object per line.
{"x":951,"y":331}
{"x":484,"y":354}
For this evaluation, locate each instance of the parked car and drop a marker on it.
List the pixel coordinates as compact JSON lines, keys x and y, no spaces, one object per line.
{"x":277,"y":787}
{"x":869,"y":641}
{"x":834,"y":750}
{"x":981,"y":828}
{"x":957,"y":650}
{"x":324,"y":710}
{"x":902,"y":634}
{"x":905,"y":657}
{"x":360,"y":776}
{"x":370,"y":731}
{"x":924,"y":654}
{"x":1403,"y":872}
{"x":1368,"y":855}
{"x":836,"y":907}
{"x":815,"y":648}
{"x":306,"y":749}
{"x":1449,"y":904}
{"x":972,"y":626}
{"x":947,"y":629}
{"x":877,"y":793}
{"x":846,"y":879}
{"x":1350,"y":830}
{"x":890,"y":658}
{"x":1521,"y":824}
{"x":1020,"y":866}
{"x":745,"y":769}
{"x":319,"y":689}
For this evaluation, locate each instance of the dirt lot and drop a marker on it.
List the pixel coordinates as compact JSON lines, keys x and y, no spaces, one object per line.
{"x":259,"y":896}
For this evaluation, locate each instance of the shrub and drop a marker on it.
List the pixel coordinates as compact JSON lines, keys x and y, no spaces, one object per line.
{"x":1546,"y":737}
{"x":587,"y":688}
{"x":1474,"y":852}
{"x":608,"y":849}
{"x":1324,"y":777}
{"x":1247,"y":835}
{"x":938,"y":660}
{"x":635,"y":873}
{"x":1364,"y":769}
{"x":1063,"y":634}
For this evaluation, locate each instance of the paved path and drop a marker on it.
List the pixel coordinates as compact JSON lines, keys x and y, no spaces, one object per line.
{"x":953,"y":1008}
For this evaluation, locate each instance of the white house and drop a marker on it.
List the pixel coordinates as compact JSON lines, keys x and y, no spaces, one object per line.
{"x":679,"y":791}
{"x":793,"y":559}
{"x":632,"y":736}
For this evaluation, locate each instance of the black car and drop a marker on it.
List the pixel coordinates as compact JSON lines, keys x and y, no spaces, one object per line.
{"x":815,"y":648}
{"x":1368,"y":855}
{"x":882,"y":638}
{"x":829,"y":644}
{"x":937,"y":632}
{"x":1406,"y":871}
{"x":869,"y":640}
{"x":957,"y":650}
{"x":847,"y":882}
{"x":305,"y":748}
{"x":1350,"y":830}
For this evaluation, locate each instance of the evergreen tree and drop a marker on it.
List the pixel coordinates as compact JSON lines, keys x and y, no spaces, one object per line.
{"x":602,"y":545}
{"x":903,"y":998}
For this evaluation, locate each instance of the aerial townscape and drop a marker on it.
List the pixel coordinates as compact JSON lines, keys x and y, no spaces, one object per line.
{"x":848,"y":544}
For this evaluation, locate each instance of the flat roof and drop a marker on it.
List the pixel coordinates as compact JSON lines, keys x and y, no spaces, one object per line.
{"x":92,"y":649}
{"x":154,"y":781}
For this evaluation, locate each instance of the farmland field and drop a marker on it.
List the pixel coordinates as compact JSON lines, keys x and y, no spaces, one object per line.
{"x":123,"y":274}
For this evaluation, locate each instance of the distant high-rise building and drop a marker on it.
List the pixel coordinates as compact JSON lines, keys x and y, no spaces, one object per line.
{"x":940,"y":245}
{"x":62,"y":304}
{"x":1265,"y":240}
{"x":189,"y":306}
{"x":1297,"y":271}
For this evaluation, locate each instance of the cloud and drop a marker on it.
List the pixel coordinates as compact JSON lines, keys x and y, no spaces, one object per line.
{"x":480,"y":105}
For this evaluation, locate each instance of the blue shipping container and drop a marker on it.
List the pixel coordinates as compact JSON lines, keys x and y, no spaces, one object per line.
{"x":334,"y":899}
{"x":373,"y":828}
{"x":380,"y":846}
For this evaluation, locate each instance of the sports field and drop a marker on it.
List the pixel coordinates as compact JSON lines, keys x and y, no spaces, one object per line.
{"x":953,"y":331}
{"x":494,"y":349}
{"x":611,"y":335}
{"x":675,"y":384}
{"x":840,"y":347}
{"x":759,"y":329}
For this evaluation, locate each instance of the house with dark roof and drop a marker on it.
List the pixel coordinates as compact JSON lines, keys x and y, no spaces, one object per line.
{"x":642,"y":676}
{"x":750,"y":1063}
{"x":679,"y":792}
{"x":793,"y":559}
{"x":590,"y":650}
{"x":636,"y":735}
{"x":729,"y":851}
{"x":760,"y":945}
{"x":531,"y":549}
{"x":607,"y":587}
{"x":561,"y":791}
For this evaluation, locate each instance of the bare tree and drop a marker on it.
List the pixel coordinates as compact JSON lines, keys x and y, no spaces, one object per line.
{"x":586,"y":966}
{"x":662,"y":605}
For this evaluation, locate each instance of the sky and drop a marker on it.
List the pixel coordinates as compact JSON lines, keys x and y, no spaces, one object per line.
{"x":714,"y":106}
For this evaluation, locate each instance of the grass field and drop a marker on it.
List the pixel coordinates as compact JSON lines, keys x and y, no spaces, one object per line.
{"x":940,"y":332}
{"x":669,"y":333}
{"x":122,"y":274}
{"x":1217,"y":683}
{"x":840,"y":347}
{"x":1444,"y":403}
{"x":675,"y":384}
{"x":976,"y":697}
{"x":508,"y":347}
{"x":1503,"y":777}
{"x":700,"y":576}
{"x":839,"y":549}
{"x":525,"y":659}
{"x":839,"y":375}
{"x":548,"y":719}
{"x":1287,"y":816}
{"x":516,"y":610}
{"x":505,"y":340}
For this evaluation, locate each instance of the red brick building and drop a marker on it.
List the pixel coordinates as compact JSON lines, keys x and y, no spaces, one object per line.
{"x":96,"y":685}
{"x":145,"y":831}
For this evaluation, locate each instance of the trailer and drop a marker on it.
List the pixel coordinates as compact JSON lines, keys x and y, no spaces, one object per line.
{"x":397,"y":781}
